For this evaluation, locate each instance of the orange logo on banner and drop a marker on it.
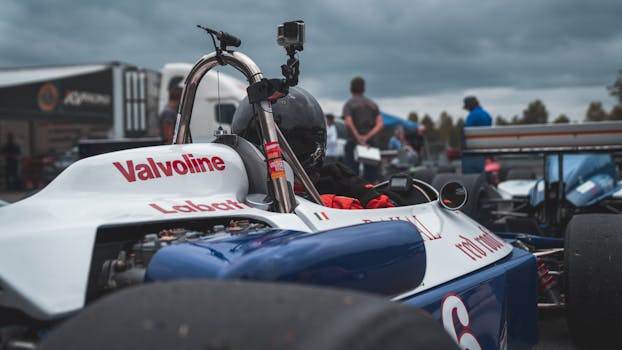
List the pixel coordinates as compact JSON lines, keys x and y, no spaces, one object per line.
{"x":47,"y":97}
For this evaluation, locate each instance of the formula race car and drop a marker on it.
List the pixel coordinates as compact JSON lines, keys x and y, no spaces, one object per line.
{"x":94,"y":259}
{"x":571,"y":218}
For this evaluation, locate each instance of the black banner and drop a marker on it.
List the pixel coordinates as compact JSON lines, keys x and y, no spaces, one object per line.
{"x":85,"y":98}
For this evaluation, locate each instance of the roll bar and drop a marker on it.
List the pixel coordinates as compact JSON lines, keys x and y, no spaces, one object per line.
{"x":270,"y":135}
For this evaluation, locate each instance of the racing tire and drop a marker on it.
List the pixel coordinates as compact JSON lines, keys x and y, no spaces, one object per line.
{"x":593,"y":266}
{"x":477,"y":191}
{"x":446,"y":169}
{"x":208,"y":314}
{"x":425,"y":175}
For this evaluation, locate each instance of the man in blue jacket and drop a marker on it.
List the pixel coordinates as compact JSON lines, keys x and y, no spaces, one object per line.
{"x":477,"y":117}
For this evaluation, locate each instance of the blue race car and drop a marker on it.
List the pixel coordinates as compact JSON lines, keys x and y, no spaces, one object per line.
{"x":571,"y":217}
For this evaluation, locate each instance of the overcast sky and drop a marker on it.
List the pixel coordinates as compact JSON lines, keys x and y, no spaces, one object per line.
{"x":416,"y":55}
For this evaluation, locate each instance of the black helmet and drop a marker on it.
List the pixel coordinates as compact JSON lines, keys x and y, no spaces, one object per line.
{"x":300,"y":119}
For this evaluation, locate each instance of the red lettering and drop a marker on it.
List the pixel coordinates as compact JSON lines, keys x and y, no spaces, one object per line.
{"x":470,"y":245}
{"x":144,"y":172}
{"x":129,"y":174}
{"x":188,"y":163}
{"x":219,"y":164}
{"x":160,"y":209}
{"x":206,"y":161}
{"x":153,"y":166}
{"x":152,"y":169}
{"x":195,"y":164}
{"x":235,"y":204}
{"x":427,"y":233}
{"x":481,"y":241}
{"x":221,"y":206}
{"x":180,"y":167}
{"x":200,"y":207}
{"x":461,"y":247}
{"x":166,"y":168}
{"x":367,"y":221}
{"x":183,"y":209}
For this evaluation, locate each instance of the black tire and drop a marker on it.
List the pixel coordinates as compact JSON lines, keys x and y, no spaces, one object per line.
{"x":477,"y":191}
{"x":231,"y":315}
{"x":593,"y":267}
{"x":446,"y":169}
{"x":425,"y":175}
{"x":520,"y":174}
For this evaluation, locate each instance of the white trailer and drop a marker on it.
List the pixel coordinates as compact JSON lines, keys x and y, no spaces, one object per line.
{"x":218,"y":96}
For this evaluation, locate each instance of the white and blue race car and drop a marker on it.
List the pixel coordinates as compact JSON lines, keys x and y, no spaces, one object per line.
{"x":215,"y":211}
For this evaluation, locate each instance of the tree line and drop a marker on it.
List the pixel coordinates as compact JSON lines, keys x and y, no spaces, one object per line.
{"x":448,"y":132}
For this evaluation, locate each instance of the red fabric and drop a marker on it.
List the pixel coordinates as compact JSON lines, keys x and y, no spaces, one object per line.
{"x":340,"y":202}
{"x":381,"y":201}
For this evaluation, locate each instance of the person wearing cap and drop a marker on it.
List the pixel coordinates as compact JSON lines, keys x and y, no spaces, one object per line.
{"x":168,"y":116}
{"x":477,"y":117}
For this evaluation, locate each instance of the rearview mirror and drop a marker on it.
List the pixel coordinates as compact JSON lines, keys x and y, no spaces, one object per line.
{"x":453,"y":195}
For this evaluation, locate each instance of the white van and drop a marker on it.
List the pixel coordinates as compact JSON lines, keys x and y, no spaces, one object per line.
{"x":217,"y":98}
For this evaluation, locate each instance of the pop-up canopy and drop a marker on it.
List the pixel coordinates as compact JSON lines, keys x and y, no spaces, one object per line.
{"x":393,"y":121}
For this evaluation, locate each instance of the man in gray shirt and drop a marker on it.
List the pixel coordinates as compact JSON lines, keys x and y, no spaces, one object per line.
{"x":363,"y":121}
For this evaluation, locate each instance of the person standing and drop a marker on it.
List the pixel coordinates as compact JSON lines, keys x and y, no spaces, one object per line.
{"x":477,"y":117}
{"x":363,"y":122}
{"x":168,"y":116}
{"x":417,"y":141}
{"x":332,"y":153}
{"x":11,"y":152}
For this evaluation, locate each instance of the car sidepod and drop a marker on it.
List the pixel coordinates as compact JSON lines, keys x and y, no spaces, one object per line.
{"x":493,"y":308}
{"x":380,"y":258}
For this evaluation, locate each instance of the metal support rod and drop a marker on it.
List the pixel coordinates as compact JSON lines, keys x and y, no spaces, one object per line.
{"x":547,"y":200}
{"x":560,"y":188}
{"x":282,"y":192}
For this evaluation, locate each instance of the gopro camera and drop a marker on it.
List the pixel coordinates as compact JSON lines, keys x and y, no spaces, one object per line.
{"x":291,"y":35}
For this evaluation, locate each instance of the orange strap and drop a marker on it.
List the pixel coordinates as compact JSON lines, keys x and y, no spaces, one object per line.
{"x":340,"y":202}
{"x":381,"y":201}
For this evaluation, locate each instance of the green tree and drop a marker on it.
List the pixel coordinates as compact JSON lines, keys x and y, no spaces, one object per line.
{"x":430,"y":128}
{"x":501,"y":121}
{"x":535,"y":113}
{"x":456,"y":133}
{"x":561,"y":119}
{"x":616,"y":88}
{"x":595,"y":112}
{"x":413,"y":117}
{"x":616,"y":113}
{"x":446,"y":125}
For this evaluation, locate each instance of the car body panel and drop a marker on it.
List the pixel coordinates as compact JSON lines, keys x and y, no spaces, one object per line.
{"x":385,"y":258}
{"x":48,"y":239}
{"x":489,"y":308}
{"x":588,"y":178}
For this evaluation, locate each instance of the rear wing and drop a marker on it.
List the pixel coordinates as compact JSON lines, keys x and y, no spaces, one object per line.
{"x":544,"y":138}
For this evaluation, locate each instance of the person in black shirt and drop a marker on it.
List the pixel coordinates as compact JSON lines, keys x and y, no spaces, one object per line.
{"x":11,"y":153}
{"x":363,"y":121}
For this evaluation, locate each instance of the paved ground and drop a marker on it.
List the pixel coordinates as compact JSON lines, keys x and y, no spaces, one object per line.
{"x":553,"y":330}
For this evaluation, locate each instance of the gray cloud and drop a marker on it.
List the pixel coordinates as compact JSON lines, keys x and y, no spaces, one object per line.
{"x":402,"y":48}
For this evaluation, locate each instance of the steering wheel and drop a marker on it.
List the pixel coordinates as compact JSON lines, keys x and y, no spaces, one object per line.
{"x":410,"y":191}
